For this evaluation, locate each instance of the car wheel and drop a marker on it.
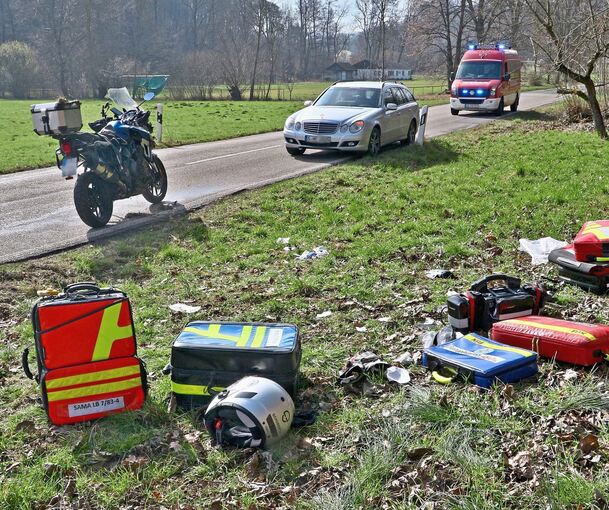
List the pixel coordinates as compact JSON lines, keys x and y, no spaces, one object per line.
{"x":374,"y":145}
{"x":295,"y":151}
{"x":500,"y":108}
{"x":454,"y":111}
{"x":514,"y":105}
{"x":411,"y":135}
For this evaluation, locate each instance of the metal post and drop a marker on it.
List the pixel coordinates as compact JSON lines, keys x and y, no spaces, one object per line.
{"x":159,"y":122}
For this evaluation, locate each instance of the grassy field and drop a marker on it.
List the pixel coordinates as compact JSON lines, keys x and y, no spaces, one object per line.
{"x":461,"y":202}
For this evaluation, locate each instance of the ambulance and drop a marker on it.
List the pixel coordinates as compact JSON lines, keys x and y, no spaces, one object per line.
{"x":488,"y":79}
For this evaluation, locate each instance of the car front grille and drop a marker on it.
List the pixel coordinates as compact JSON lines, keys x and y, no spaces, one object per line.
{"x":320,"y":128}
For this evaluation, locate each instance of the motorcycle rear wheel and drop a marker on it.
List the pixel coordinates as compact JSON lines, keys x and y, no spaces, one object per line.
{"x":157,"y":188}
{"x":93,"y":200}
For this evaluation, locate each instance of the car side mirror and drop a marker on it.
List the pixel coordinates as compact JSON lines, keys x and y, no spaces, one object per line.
{"x":308,"y":103}
{"x":507,"y":76}
{"x":390,"y":107}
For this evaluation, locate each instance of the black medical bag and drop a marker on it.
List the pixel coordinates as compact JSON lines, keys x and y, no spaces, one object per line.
{"x":206,"y":357}
{"x":491,"y":299}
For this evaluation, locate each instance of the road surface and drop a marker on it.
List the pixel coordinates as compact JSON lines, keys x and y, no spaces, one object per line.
{"x":37,"y":214}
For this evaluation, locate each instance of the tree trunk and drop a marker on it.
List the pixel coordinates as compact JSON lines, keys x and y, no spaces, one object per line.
{"x":253,"y":82}
{"x":595,"y":107}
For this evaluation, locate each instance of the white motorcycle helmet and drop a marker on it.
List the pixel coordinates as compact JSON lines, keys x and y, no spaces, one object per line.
{"x":254,"y":411}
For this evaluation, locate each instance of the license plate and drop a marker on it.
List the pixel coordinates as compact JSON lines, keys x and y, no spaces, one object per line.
{"x":471,"y":106}
{"x":317,"y":139}
{"x":69,"y":167}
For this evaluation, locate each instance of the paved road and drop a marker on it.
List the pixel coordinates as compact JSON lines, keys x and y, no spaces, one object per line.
{"x":37,"y":214}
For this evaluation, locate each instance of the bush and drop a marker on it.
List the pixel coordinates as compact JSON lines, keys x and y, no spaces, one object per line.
{"x":576,"y":110}
{"x":535,"y":80}
{"x":18,"y":68}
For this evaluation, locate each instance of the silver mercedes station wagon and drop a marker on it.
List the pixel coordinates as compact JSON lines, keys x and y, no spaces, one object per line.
{"x":356,"y":116}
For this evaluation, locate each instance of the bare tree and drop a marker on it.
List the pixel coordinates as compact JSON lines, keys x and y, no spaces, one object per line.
{"x":576,"y":38}
{"x":485,"y":15}
{"x":442,"y":23}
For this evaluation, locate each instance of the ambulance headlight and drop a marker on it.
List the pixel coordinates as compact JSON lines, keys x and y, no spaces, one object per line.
{"x":492,"y":92}
{"x":453,"y":90}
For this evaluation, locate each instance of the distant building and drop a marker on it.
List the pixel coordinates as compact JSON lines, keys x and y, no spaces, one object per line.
{"x":339,"y":71}
{"x":364,"y":70}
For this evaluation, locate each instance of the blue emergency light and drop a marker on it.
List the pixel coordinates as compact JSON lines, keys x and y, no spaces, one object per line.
{"x":501,"y":46}
{"x":472,"y":46}
{"x":480,"y":92}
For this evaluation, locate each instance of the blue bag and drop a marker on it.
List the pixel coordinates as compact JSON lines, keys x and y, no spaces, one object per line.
{"x":480,"y":361}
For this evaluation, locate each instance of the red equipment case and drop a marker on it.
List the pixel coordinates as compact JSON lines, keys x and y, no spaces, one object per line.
{"x":572,"y":342}
{"x":86,"y":354}
{"x":591,"y":244}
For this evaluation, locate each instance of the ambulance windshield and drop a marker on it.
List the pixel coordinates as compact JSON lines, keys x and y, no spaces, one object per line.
{"x":479,"y":70}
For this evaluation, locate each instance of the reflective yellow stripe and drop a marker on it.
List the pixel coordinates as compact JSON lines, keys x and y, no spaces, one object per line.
{"x":98,"y":389}
{"x":490,"y":345}
{"x":102,"y":375}
{"x":213,"y":331}
{"x":192,"y":389}
{"x":601,"y":232}
{"x":552,"y":327}
{"x":259,"y":336}
{"x":110,"y":332}
{"x":602,"y":259}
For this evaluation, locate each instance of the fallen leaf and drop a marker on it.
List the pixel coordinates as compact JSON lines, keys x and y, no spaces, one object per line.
{"x":134,"y":462}
{"x":418,"y":453}
{"x":26,"y":426}
{"x":588,"y":444}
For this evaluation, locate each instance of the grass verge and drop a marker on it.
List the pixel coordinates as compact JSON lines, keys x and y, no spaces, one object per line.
{"x":461,"y":202}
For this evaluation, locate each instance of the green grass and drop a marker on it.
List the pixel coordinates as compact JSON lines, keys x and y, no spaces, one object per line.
{"x":460,"y":202}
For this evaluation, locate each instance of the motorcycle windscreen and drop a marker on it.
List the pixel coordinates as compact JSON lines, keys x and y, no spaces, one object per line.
{"x":121,"y":98}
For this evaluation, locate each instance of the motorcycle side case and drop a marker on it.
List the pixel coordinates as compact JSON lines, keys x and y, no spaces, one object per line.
{"x":572,"y":342}
{"x":60,"y":118}
{"x":206,"y":357}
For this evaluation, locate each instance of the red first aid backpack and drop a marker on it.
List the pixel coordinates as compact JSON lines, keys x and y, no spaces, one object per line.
{"x":86,"y":354}
{"x":591,"y":244}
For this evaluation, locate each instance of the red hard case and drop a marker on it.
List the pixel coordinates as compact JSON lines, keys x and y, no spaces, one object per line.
{"x":591,"y":244}
{"x":572,"y":342}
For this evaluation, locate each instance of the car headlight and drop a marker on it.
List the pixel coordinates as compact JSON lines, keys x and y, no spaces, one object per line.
{"x":492,"y":92}
{"x":297,"y":126}
{"x":344,"y":127}
{"x":357,"y":126}
{"x":289,"y":124}
{"x":454,"y":91}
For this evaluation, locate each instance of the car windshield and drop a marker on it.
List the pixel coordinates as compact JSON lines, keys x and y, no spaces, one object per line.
{"x":350,"y":96}
{"x":479,"y":70}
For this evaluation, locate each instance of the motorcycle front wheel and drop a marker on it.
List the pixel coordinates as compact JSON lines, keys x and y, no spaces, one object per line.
{"x":157,"y":187}
{"x":92,"y":199}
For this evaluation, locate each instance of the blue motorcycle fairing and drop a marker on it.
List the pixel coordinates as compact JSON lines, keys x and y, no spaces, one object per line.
{"x":126,"y":131}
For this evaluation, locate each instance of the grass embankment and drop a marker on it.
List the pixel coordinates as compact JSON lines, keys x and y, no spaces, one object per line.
{"x":461,"y":202}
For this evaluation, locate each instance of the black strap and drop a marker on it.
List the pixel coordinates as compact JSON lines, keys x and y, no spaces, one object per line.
{"x":82,"y":286}
{"x":25,"y":364}
{"x":482,"y":285}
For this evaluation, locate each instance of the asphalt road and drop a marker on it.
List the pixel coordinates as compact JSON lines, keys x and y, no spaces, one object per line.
{"x":37,"y":214}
